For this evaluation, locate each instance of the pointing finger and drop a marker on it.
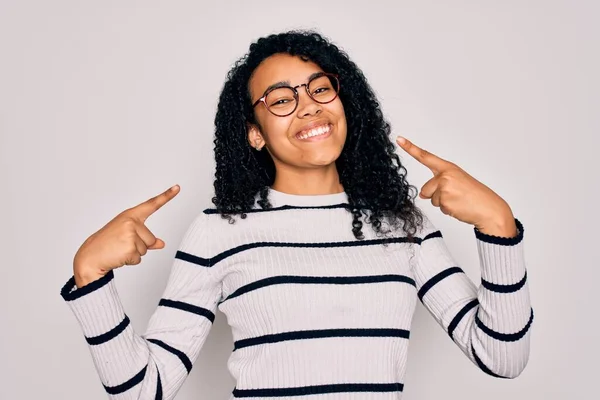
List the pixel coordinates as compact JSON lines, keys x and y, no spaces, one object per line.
{"x":150,"y":206}
{"x":430,"y":160}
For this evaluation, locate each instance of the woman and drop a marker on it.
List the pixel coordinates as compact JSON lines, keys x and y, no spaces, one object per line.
{"x":315,"y":250}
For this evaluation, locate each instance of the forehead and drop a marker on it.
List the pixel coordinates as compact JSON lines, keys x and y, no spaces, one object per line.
{"x":281,"y":68}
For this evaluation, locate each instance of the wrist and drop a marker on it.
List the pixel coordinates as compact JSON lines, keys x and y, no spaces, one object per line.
{"x":85,"y":275}
{"x":502,"y":227}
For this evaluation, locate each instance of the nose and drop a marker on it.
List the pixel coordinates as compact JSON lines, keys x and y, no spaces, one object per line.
{"x":306,"y":105}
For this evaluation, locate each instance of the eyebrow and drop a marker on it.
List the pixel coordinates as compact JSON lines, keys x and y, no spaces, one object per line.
{"x":287,"y":83}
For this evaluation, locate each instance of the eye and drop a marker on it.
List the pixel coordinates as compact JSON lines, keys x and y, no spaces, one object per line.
{"x":280,"y":97}
{"x":321,"y":90}
{"x":280,"y":102}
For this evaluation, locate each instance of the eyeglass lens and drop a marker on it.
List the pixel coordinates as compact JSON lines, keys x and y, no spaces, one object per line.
{"x":282,"y":101}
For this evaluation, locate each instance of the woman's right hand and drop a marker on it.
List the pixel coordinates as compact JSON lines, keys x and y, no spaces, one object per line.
{"x":122,"y":241}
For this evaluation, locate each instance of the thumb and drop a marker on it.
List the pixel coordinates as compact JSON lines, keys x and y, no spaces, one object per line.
{"x":159,"y":244}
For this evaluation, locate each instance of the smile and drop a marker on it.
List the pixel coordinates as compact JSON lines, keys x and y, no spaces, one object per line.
{"x":321,"y":132}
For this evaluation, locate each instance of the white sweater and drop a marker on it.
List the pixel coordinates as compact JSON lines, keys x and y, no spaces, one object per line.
{"x":314,"y":312}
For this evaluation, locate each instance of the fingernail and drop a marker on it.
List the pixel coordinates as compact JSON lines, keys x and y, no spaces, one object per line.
{"x":173,"y":188}
{"x":401,"y":140}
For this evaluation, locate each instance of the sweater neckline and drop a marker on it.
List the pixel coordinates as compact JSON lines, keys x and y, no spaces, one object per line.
{"x":279,"y":199}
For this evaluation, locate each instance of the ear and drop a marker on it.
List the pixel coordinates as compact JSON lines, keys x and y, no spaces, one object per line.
{"x":255,"y":138}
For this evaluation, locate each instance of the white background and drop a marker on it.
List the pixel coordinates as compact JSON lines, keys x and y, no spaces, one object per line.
{"x":105,"y":104}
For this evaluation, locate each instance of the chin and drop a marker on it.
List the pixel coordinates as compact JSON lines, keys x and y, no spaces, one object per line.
{"x":323,"y":160}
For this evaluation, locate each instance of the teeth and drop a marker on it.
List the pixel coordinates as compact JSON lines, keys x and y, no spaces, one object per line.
{"x":315,"y":132}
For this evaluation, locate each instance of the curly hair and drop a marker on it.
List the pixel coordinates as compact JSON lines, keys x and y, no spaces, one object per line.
{"x":369,"y":169}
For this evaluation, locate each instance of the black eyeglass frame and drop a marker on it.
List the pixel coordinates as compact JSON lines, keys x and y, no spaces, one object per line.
{"x":297,"y":95}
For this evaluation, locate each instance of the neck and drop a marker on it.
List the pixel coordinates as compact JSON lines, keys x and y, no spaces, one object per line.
{"x":315,"y":181}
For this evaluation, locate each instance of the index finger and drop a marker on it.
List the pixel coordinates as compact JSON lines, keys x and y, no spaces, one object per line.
{"x":430,"y":160}
{"x":150,"y":206}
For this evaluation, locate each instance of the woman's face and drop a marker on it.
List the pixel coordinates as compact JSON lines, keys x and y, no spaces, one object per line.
{"x":285,"y":137}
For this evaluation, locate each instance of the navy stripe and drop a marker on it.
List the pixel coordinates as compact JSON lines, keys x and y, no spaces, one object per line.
{"x":159,"y":391}
{"x":180,"y":354}
{"x":432,"y":235}
{"x":333,"y":280}
{"x":505,"y":337}
{"x":182,"y":255}
{"x":180,"y":305}
{"x":499,"y":240}
{"x":456,"y":320}
{"x":437,"y":278}
{"x":228,"y":253}
{"x":69,"y":295}
{"x":494,"y":287}
{"x":321,"y":333}
{"x":483,"y":367}
{"x":209,"y":262}
{"x":123,"y":387}
{"x":113,"y":333}
{"x":281,"y":208}
{"x":319,"y":389}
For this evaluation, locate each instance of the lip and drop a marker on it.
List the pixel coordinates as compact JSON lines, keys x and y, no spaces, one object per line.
{"x":312,"y":125}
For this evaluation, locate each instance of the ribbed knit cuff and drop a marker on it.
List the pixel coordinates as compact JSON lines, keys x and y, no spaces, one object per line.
{"x":96,"y":306}
{"x":502,"y":259}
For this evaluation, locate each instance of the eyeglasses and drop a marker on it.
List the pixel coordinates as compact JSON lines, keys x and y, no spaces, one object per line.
{"x":283,"y":100}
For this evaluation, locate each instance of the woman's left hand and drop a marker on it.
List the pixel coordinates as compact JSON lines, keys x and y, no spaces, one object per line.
{"x":461,"y":196}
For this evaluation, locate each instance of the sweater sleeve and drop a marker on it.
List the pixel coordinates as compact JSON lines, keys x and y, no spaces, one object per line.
{"x":153,"y":365}
{"x":490,"y":323}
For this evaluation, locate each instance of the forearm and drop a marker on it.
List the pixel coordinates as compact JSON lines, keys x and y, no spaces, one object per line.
{"x":140,"y":366}
{"x":489,"y":323}
{"x":500,"y":332}
{"x":122,"y":358}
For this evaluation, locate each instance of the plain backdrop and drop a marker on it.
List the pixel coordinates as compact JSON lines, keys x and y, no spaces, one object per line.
{"x":104,"y":104}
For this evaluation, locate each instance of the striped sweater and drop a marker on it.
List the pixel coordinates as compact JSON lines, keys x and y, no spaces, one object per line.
{"x":314,"y":312}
